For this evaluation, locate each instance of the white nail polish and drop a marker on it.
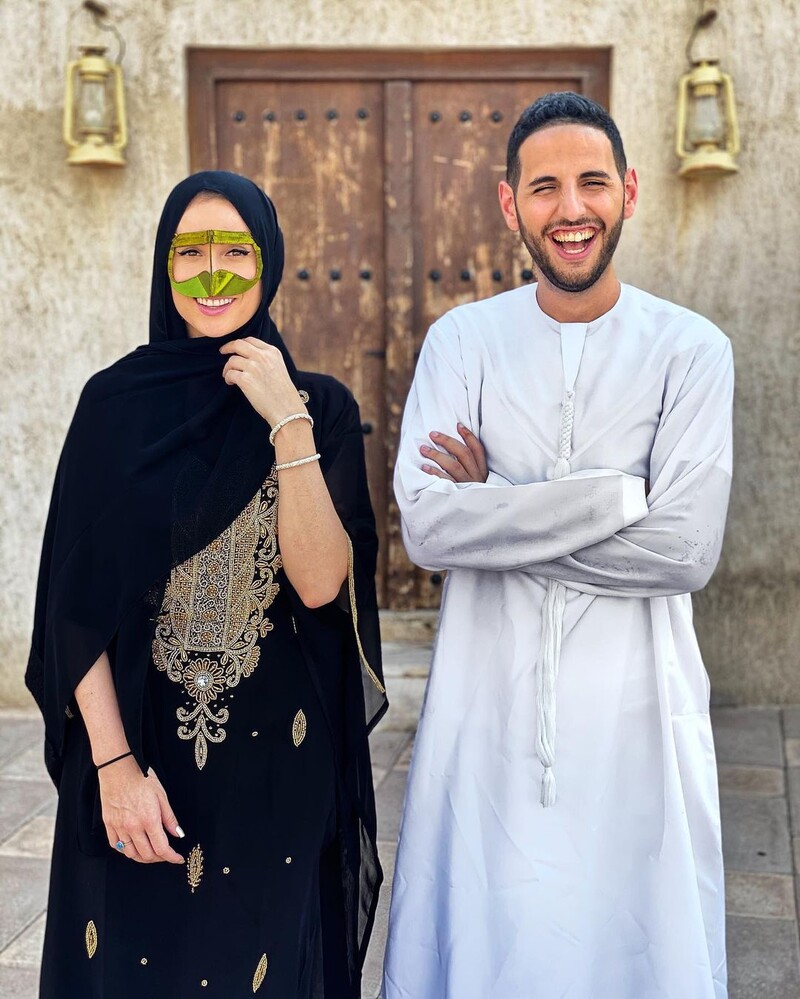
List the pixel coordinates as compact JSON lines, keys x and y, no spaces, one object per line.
{"x":179,"y":832}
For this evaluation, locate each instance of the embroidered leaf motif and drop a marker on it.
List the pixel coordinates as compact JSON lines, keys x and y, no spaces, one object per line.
{"x":91,"y":939}
{"x":213,"y":614}
{"x":299,"y":727}
{"x":261,"y":972}
{"x":200,"y":751}
{"x":194,"y":867}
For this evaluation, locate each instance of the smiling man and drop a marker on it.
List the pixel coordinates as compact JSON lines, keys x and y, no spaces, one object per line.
{"x":566,"y":455}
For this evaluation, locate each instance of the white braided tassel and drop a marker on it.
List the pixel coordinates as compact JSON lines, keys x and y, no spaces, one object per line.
{"x":549,"y":658}
{"x":546,"y":675}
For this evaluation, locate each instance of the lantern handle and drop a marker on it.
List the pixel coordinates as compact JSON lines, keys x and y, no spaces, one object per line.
{"x":99,"y":12}
{"x":703,"y":20}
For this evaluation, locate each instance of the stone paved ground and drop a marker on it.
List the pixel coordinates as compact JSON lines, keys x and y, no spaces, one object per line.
{"x":759,"y":760}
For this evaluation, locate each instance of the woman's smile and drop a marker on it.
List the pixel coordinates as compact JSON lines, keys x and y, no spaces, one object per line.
{"x":214,"y":306}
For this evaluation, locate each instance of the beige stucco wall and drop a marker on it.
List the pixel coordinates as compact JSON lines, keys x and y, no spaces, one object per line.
{"x":76,"y":249}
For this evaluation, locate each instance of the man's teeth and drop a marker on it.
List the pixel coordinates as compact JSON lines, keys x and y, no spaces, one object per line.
{"x":576,"y":236}
{"x":214,"y":303}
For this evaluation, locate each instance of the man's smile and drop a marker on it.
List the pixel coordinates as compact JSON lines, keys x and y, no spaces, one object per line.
{"x":573,"y":243}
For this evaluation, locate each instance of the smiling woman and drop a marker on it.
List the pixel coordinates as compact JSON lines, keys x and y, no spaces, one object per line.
{"x":193,"y":556}
{"x":214,"y":268}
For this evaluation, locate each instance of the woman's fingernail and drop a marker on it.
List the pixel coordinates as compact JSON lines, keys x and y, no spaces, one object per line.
{"x":433,"y":433}
{"x":424,"y":449}
{"x":179,"y":832}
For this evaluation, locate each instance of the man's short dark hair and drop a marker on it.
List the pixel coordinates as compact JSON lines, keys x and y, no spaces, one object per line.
{"x":563,"y":108}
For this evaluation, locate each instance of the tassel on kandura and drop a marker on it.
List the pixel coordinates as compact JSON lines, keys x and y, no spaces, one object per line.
{"x":548,"y":788}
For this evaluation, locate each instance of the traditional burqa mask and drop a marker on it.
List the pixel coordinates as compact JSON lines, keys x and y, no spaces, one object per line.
{"x":196,"y":272}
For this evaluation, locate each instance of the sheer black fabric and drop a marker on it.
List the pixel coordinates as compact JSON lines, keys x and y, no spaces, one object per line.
{"x":160,"y":458}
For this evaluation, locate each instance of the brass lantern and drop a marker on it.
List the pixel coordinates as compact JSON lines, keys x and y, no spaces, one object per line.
{"x":707,"y":139}
{"x":94,"y":110}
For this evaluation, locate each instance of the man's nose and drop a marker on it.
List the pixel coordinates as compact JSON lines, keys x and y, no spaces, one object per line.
{"x":571,"y":204}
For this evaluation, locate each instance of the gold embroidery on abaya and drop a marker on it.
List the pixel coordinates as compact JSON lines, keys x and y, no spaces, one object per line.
{"x":214,"y":612}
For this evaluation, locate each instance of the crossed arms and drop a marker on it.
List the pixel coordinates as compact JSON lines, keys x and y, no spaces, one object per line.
{"x":593,"y":530}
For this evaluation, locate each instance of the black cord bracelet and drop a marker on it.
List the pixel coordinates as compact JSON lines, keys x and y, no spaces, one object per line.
{"x":115,"y":760}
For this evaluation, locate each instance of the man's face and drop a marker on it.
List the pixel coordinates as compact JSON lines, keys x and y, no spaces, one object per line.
{"x":569,"y":204}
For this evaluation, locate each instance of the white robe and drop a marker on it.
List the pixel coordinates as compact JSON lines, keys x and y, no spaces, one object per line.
{"x":616,"y":891}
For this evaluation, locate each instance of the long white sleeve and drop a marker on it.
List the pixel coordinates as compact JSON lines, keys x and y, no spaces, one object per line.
{"x":490,"y":526}
{"x":675,"y":548}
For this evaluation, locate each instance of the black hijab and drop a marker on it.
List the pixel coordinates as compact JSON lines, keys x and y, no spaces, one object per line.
{"x":160,"y":458}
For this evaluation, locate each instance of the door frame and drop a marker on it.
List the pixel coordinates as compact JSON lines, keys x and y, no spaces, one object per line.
{"x":398,"y":69}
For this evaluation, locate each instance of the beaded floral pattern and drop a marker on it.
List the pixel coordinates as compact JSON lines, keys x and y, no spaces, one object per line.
{"x":214,"y":612}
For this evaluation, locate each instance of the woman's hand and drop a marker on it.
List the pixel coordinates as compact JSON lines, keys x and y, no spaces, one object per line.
{"x":136,"y":811}
{"x":459,"y":461}
{"x":260,"y":372}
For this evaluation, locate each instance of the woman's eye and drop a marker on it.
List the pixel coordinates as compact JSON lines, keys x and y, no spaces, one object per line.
{"x":236,"y":251}
{"x":190,"y":251}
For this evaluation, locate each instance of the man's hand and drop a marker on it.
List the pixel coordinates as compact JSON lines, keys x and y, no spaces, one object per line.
{"x":459,"y":460}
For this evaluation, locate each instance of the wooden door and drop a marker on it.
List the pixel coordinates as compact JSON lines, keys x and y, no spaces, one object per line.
{"x":319,"y":156}
{"x":384,"y":168}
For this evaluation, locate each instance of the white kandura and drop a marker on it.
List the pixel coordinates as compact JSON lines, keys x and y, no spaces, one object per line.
{"x":615,"y":889}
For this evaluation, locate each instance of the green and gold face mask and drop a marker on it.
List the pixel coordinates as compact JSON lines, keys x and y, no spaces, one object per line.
{"x":190,"y":264}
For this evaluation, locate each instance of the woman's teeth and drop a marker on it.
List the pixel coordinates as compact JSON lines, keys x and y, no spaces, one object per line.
{"x":213,"y":303}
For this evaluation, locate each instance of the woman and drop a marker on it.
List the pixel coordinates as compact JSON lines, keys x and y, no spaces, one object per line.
{"x":206,"y":656}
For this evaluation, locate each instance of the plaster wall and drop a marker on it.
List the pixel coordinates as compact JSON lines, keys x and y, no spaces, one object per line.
{"x":77,"y":244}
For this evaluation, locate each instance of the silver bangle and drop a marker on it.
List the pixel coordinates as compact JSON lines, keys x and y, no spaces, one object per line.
{"x":300,"y":461}
{"x":288,"y":419}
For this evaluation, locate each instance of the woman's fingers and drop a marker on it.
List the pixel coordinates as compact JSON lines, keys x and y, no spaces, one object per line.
{"x":169,"y":822}
{"x":169,"y":819}
{"x":248,"y":347}
{"x":134,"y":809}
{"x":141,"y":844}
{"x":160,"y":847}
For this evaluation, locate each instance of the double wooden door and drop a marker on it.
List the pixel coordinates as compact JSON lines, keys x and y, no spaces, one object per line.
{"x":383,"y":167}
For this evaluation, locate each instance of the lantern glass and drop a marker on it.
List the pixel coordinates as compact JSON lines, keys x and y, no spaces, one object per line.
{"x":706,"y":124}
{"x":95,"y":106}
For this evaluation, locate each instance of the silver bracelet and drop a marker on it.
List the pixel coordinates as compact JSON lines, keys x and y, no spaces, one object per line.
{"x":288,"y":419}
{"x":300,"y":461}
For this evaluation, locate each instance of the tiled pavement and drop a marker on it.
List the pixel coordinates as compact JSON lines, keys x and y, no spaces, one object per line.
{"x":759,"y":760}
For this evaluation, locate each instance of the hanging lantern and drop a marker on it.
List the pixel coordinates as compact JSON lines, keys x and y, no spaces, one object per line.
{"x":707,"y":139}
{"x":94,"y":110}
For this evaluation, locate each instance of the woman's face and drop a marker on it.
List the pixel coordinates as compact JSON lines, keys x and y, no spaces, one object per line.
{"x":219,"y":315}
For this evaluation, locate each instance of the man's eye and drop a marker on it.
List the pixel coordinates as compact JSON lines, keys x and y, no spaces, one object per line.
{"x":544,"y":190}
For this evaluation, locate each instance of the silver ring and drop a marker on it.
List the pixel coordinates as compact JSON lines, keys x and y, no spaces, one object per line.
{"x":120,"y":844}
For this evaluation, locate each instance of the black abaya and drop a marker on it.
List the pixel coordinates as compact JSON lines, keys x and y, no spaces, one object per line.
{"x":162,"y":460}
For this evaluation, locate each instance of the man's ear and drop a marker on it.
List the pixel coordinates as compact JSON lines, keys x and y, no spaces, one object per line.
{"x":508,"y":205}
{"x":631,"y":187}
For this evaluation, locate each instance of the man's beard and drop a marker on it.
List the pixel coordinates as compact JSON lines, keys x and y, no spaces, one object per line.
{"x":566,"y":281}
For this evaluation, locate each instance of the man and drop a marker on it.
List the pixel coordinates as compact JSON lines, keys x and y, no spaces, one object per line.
{"x":566,"y":455}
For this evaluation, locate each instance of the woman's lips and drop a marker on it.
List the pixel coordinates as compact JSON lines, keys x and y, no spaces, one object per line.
{"x":214,"y":310}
